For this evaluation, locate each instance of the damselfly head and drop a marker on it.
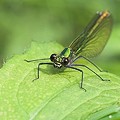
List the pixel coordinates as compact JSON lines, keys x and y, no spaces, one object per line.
{"x":59,"y":61}
{"x":53,"y":57}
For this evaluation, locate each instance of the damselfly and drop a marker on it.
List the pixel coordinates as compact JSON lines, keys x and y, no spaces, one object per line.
{"x":88,"y":44}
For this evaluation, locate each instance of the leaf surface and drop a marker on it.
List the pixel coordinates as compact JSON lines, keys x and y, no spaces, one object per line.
{"x":56,"y":95}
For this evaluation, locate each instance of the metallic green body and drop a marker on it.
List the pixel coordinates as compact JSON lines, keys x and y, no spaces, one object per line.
{"x":65,"y":53}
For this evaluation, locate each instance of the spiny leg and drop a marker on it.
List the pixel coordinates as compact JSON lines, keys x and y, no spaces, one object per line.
{"x":38,"y":70}
{"x":36,"y":60}
{"x":89,"y":62}
{"x":81,"y":82}
{"x":90,"y":70}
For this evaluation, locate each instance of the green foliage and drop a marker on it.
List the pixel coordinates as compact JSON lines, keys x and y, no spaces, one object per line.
{"x":56,"y":95}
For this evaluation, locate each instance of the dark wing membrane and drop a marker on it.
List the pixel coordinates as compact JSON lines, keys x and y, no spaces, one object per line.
{"x":95,"y":36}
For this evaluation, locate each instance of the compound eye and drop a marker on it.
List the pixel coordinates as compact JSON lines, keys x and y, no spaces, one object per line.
{"x":65,"y":61}
{"x":53,"y":57}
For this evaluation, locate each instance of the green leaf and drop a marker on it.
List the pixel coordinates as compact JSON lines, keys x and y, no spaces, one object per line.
{"x":56,"y":95}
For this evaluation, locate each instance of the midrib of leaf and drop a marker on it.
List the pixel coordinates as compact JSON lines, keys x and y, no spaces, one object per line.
{"x":79,"y":104}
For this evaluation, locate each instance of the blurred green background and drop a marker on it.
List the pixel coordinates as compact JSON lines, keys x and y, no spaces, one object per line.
{"x":22,"y":21}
